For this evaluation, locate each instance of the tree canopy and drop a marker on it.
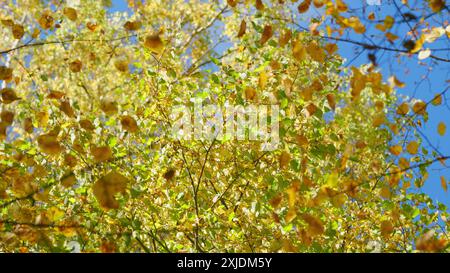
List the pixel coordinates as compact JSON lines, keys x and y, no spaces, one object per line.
{"x":87,"y":162}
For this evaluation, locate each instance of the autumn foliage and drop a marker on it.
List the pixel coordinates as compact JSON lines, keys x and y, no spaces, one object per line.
{"x":86,"y":163}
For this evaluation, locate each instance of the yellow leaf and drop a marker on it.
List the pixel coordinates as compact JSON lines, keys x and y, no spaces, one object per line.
{"x":107,"y":187}
{"x":329,"y":30}
{"x":250,"y":93}
{"x":121,"y":65}
{"x":132,"y":25}
{"x":304,"y":6}
{"x":292,"y":193}
{"x":108,"y":106}
{"x":403,"y":109}
{"x":378,"y":120}
{"x":355,"y":24}
{"x":437,"y":100}
{"x":386,"y":228}
{"x":42,"y":118}
{"x":154,"y":43}
{"x":394,"y":82}
{"x":442,"y":128}
{"x":46,"y":21}
{"x":262,"y":80}
{"x":290,"y":215}
{"x":412,"y":147}
{"x":298,"y":51}
{"x":7,"y":22}
{"x":18,"y":31}
{"x":379,"y":106}
{"x":316,"y":52}
{"x":418,"y":44}
{"x":101,"y":154}
{"x":380,"y":27}
{"x":70,"y":13}
{"x":332,"y":179}
{"x":35,"y":33}
{"x":420,"y":107}
{"x":54,"y":214}
{"x":75,"y":66}
{"x":391,"y":37}
{"x":339,"y":200}
{"x":43,"y":196}
{"x":389,"y":22}
{"x":49,"y":144}
{"x":396,"y":150}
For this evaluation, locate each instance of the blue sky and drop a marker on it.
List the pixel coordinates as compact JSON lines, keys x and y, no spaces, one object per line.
{"x":421,"y":83}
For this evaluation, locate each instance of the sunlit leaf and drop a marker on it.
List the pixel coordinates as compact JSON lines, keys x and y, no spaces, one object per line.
{"x":70,"y":13}
{"x":107,"y":187}
{"x":441,"y":129}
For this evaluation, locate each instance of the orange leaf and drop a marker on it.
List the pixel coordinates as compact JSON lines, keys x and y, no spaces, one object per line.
{"x":441,"y":128}
{"x":304,"y":6}
{"x":70,"y":13}
{"x":267,"y":34}
{"x":396,"y":150}
{"x":129,"y":124}
{"x":444,"y":183}
{"x":259,"y":5}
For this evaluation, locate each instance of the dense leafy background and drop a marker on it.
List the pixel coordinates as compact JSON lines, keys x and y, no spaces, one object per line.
{"x":87,"y":163}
